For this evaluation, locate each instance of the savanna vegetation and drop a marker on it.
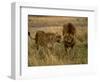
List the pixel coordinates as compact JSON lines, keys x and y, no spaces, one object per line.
{"x":57,"y":56}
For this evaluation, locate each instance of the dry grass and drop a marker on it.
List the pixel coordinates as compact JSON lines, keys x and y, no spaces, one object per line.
{"x":58,"y":56}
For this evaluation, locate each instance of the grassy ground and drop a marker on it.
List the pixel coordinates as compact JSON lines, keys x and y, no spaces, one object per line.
{"x":58,"y":56}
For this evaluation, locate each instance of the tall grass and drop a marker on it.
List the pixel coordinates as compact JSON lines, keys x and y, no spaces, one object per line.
{"x":58,"y":56}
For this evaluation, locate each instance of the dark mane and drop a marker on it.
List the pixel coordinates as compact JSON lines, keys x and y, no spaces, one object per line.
{"x":69,"y":31}
{"x":69,"y":28}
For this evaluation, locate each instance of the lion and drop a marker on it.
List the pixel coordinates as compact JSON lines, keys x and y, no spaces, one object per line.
{"x":69,"y":32}
{"x":46,"y":40}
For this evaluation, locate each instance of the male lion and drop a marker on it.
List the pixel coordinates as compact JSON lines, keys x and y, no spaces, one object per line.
{"x":69,"y":31}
